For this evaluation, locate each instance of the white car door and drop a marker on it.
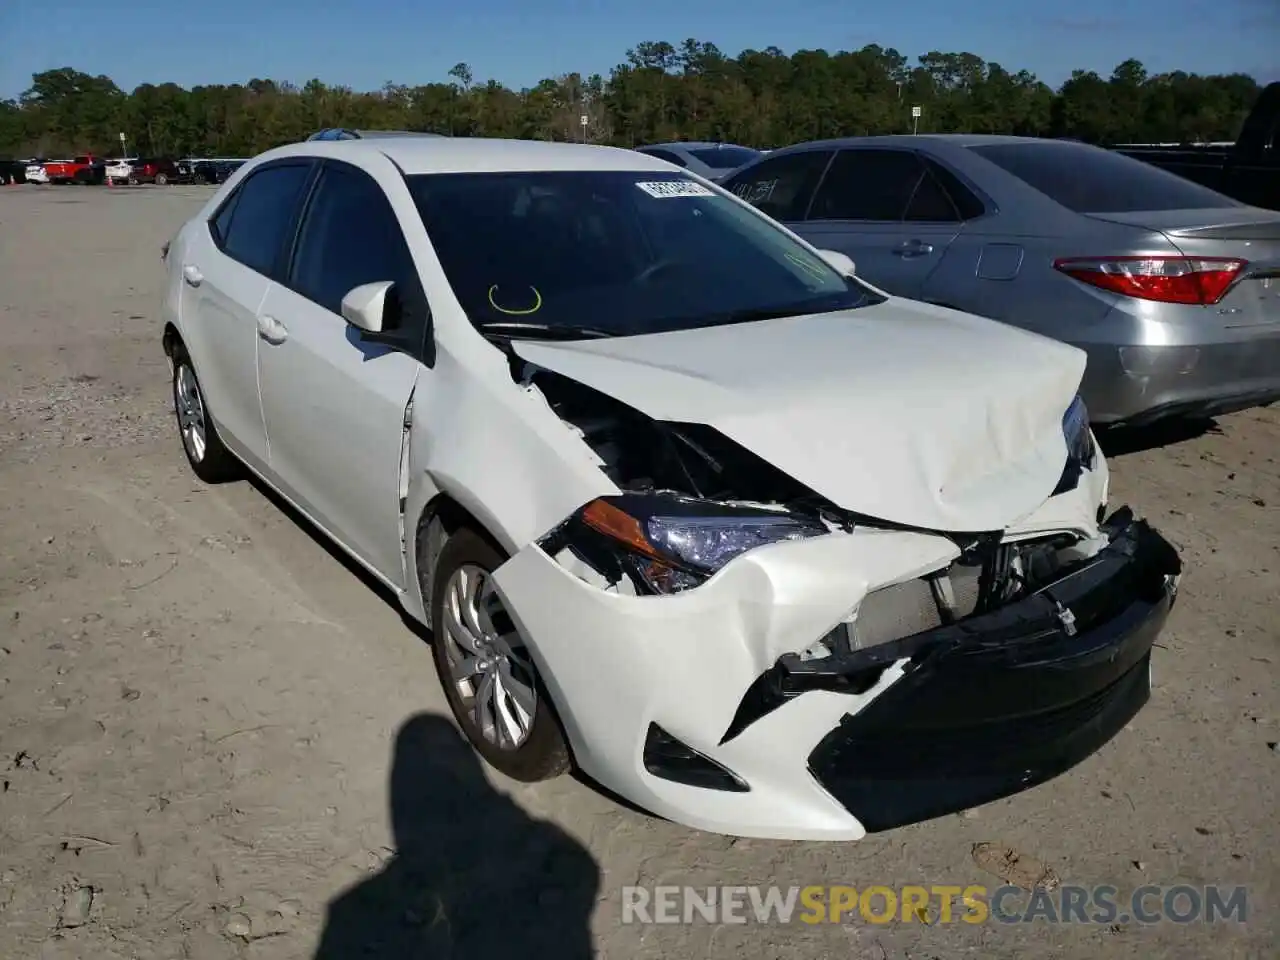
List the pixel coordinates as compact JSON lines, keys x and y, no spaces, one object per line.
{"x":334,"y":401}
{"x":226,"y":269}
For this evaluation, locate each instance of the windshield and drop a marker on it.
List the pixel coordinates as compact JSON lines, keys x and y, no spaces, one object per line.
{"x":725,"y":157}
{"x":617,"y":253}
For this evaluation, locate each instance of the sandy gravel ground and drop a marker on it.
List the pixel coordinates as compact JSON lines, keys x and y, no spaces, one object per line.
{"x":214,"y":734}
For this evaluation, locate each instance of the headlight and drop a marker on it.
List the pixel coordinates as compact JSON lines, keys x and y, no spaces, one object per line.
{"x":1075,"y":429}
{"x":1082,"y":454}
{"x":667,"y":543}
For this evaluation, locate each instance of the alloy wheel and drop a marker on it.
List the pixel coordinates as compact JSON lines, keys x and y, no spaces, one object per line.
{"x":191,"y":414}
{"x":488,"y":662}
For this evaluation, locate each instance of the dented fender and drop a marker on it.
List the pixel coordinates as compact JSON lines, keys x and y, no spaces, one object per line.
{"x":465,"y":422}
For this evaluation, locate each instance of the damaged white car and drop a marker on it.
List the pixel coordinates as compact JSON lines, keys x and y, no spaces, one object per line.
{"x":685,"y":503}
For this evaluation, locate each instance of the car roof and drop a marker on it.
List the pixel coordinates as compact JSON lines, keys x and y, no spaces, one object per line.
{"x":344,"y":133}
{"x":416,"y":155}
{"x":685,"y":145}
{"x":908,"y":139}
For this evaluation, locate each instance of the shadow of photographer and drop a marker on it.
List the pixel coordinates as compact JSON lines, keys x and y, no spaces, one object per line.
{"x":473,"y":876}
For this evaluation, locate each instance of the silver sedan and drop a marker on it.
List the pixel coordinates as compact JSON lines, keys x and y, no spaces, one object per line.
{"x":1172,"y":289}
{"x":706,"y":159}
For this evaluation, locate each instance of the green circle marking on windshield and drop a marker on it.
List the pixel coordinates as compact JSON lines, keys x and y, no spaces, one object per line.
{"x":537,"y":303}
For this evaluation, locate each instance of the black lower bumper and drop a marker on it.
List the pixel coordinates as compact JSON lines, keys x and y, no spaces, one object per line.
{"x":1000,"y":702}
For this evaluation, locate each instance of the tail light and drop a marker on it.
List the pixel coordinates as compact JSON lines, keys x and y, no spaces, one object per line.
{"x":1194,"y":280}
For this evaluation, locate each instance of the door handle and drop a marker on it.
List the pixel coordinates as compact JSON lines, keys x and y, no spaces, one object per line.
{"x":191,"y":273}
{"x":913,"y":248}
{"x":272,"y":330}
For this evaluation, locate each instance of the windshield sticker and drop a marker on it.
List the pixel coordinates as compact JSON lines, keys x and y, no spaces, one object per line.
{"x":662,"y":189}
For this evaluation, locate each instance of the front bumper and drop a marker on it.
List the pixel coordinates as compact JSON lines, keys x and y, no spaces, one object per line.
{"x":1007,"y":700}
{"x":865,"y":746}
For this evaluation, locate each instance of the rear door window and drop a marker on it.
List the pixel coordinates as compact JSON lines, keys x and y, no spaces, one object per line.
{"x":876,"y":185}
{"x":1089,"y":179}
{"x":266,"y":206}
{"x":781,"y":186}
{"x":968,"y":205}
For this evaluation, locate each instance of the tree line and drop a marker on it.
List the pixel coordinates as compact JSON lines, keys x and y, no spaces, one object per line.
{"x":663,"y":91}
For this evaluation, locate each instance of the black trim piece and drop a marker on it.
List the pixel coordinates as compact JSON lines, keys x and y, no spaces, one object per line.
{"x":1009,"y":699}
{"x":671,"y":759}
{"x":906,"y":776}
{"x":822,"y":178}
{"x":775,"y":687}
{"x":290,"y":251}
{"x":1131,"y":571}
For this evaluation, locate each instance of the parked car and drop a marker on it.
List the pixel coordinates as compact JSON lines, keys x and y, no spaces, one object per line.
{"x":81,"y":169}
{"x":94,"y":173}
{"x":120,"y":170}
{"x":1247,"y":170}
{"x":342,"y":133}
{"x":214,"y":171}
{"x":13,"y":171}
{"x":184,"y":171}
{"x":157,"y":170}
{"x":1172,"y":289}
{"x":710,"y":160}
{"x":685,"y":502}
{"x":36,"y":172}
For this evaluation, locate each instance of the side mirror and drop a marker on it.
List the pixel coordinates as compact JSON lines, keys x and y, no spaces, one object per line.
{"x":838,"y":262}
{"x":365,"y":306}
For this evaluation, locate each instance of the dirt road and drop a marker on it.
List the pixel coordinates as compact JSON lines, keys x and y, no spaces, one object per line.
{"x":201,"y":705}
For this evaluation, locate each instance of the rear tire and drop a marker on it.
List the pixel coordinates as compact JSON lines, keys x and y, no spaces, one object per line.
{"x":161,"y":180}
{"x":502,"y":682}
{"x":209,"y":458}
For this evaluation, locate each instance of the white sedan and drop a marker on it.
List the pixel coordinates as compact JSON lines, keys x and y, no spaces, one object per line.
{"x":685,"y":503}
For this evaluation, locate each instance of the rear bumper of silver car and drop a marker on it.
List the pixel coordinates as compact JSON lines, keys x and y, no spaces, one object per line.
{"x":1136,"y":385}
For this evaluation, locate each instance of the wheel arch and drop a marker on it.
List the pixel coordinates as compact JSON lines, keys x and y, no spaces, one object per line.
{"x":170,"y":340}
{"x":441,"y":517}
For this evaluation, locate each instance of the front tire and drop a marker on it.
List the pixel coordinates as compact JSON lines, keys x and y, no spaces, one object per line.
{"x":209,"y":458}
{"x":489,"y":679}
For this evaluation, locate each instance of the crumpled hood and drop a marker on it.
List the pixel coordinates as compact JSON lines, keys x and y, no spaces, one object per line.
{"x":903,"y":411}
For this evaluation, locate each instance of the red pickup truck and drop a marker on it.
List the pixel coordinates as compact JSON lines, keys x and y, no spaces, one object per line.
{"x":81,"y":169}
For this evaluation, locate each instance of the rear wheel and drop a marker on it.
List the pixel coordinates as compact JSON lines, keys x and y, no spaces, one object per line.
{"x":209,"y":458}
{"x":489,"y":678}
{"x":161,"y":179}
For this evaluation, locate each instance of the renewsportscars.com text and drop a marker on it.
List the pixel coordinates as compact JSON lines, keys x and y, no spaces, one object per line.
{"x":972,"y":904}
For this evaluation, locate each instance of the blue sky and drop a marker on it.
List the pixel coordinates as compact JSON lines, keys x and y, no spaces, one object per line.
{"x":364,"y":44}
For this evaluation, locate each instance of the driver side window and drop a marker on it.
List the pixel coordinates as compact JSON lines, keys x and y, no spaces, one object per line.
{"x":350,"y":236}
